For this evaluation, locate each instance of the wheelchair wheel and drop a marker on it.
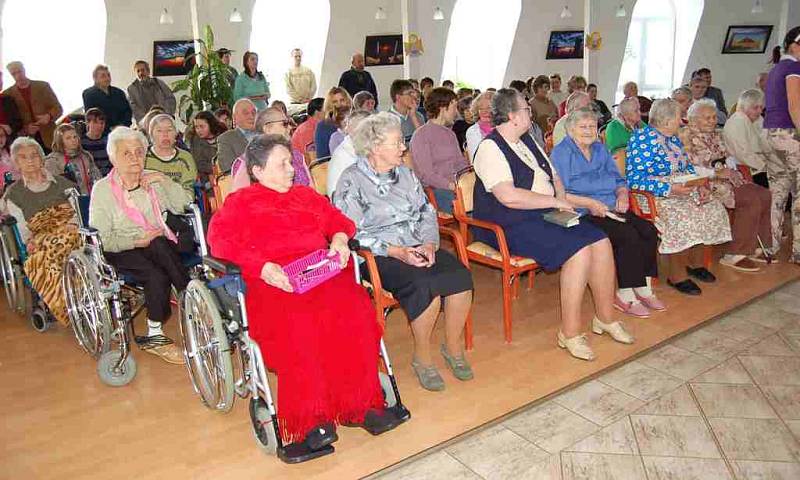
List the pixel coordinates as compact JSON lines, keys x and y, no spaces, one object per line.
{"x":39,"y":320}
{"x":116,"y":377}
{"x":206,"y":347}
{"x":262,"y":426}
{"x":88,"y":310}
{"x":13,"y":278}
{"x":389,"y":397}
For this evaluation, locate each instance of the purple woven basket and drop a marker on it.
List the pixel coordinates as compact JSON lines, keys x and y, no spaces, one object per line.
{"x":308,"y":272}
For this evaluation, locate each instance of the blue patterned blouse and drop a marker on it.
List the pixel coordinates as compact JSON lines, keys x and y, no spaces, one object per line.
{"x":652,"y":157}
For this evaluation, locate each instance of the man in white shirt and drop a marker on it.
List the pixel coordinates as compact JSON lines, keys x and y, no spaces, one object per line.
{"x":301,"y":84}
{"x":745,"y":137}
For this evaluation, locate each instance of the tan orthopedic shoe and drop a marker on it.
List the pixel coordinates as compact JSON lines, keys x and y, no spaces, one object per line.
{"x":578,"y":346}
{"x":615,"y":329}
{"x":169,"y":353}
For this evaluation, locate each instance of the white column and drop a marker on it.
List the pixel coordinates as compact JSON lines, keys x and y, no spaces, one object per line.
{"x":196,"y":33}
{"x":587,"y":29}
{"x":783,"y":26}
{"x":404,"y":24}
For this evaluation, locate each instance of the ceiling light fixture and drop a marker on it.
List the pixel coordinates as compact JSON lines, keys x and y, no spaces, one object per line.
{"x":621,"y":10}
{"x":166,"y":18}
{"x":565,"y":13}
{"x":235,"y":16}
{"x":438,"y":14}
{"x":758,"y":7}
{"x":380,"y":14}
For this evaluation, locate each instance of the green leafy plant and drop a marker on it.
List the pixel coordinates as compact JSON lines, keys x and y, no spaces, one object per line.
{"x":207,"y":86}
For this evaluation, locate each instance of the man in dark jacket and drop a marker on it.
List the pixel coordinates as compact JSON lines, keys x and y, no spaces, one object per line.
{"x":10,"y":120}
{"x":357,"y":79}
{"x":111,"y":100}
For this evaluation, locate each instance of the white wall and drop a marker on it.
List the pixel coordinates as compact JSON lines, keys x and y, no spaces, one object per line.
{"x":133,"y":26}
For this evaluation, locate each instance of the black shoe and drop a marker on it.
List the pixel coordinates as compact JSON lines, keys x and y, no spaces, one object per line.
{"x":380,"y":421}
{"x":701,"y":274}
{"x":687,"y":287}
{"x":321,"y":436}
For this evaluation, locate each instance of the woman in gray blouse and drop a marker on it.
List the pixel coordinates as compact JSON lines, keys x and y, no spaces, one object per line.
{"x":396,"y":222}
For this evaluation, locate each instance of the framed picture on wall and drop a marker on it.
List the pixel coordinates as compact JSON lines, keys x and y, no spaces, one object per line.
{"x":565,"y":44}
{"x":169,"y":57}
{"x":747,"y":39}
{"x":383,"y":50}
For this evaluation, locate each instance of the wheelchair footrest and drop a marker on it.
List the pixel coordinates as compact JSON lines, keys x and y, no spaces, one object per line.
{"x":144,"y":342}
{"x":400,"y":411}
{"x":298,"y":452}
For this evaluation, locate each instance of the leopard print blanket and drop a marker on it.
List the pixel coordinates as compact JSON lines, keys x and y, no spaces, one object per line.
{"x":53,"y":237}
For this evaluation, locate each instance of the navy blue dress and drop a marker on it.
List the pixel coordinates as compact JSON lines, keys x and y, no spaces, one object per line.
{"x":527,"y":233}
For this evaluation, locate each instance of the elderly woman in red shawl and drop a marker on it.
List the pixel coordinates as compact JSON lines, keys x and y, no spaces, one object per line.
{"x":323,"y":344}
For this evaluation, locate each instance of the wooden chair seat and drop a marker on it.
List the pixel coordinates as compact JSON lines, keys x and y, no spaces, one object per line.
{"x":485,"y":250}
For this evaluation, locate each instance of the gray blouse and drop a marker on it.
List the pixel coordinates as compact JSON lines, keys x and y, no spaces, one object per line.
{"x":388,"y":208}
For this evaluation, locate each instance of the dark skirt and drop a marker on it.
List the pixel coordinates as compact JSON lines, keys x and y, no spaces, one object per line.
{"x":549,"y":244}
{"x":416,"y":287}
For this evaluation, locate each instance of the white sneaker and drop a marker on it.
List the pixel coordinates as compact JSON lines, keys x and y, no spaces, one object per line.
{"x":615,"y":329}
{"x":578,"y":346}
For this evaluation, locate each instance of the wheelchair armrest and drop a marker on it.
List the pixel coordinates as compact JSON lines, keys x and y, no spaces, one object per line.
{"x":88,"y":231}
{"x":223,"y":266}
{"x":9,"y":220}
{"x":353,"y":245}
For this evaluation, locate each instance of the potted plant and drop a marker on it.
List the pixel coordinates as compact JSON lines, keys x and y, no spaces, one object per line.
{"x":207,"y":86}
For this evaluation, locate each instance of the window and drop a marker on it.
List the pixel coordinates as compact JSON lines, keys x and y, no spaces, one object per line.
{"x":274,"y":36}
{"x":28,"y":36}
{"x":479,"y":42}
{"x":660,"y":39}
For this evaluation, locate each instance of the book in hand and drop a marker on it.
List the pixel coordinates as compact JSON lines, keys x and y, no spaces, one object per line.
{"x":563,"y":218}
{"x":690,"y":179}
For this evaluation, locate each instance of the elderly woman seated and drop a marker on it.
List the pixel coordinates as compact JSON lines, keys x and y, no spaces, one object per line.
{"x":322,"y":344}
{"x":745,"y":137}
{"x":482,"y":110}
{"x":629,"y":118}
{"x":345,"y":155}
{"x":70,"y":159}
{"x":515,"y":187}
{"x":364,"y":100}
{"x":396,"y":222}
{"x":543,"y":111}
{"x":574,"y":102}
{"x":437,"y":157}
{"x":45,"y":221}
{"x":272,"y":121}
{"x":163,"y":156}
{"x":688,"y":217}
{"x":751,"y":203}
{"x":683,"y":95}
{"x":127,"y":208}
{"x":593,"y":183}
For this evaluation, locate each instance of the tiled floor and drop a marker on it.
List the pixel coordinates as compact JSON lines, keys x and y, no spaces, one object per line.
{"x":722,"y":402}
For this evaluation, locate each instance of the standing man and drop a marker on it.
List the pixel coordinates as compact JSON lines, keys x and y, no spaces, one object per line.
{"x":10,"y":120}
{"x":37,"y":104}
{"x":111,"y":100}
{"x":301,"y":84}
{"x":556,"y":95}
{"x":404,"y":106}
{"x":225,"y":57}
{"x":357,"y":79}
{"x":147,"y":91}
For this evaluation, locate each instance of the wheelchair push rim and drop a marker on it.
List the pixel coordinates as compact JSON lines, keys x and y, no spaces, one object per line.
{"x":88,"y":310}
{"x":206,"y":347}
{"x":13,"y":280}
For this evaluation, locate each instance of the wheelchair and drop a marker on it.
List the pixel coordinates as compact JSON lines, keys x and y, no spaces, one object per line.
{"x":102,"y":304}
{"x":224,"y":361}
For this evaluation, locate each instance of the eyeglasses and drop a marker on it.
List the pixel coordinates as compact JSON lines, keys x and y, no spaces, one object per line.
{"x":285,"y":123}
{"x":525,"y":109}
{"x":398,"y":144}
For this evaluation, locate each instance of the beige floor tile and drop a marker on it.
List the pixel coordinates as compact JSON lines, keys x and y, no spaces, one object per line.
{"x":772,"y":370}
{"x":616,"y":438}
{"x":773,"y":345}
{"x":738,"y":401}
{"x":679,"y":402}
{"x":751,"y":439}
{"x":497,"y":453}
{"x":794,"y":427}
{"x":793,"y":339}
{"x":791,"y":288}
{"x":731,"y":371}
{"x":792,"y":328}
{"x":596,"y":466}
{"x":786,"y":301}
{"x":598,"y":402}
{"x":436,"y":466}
{"x":739,"y":328}
{"x":676,"y":468}
{"x":677,"y":362}
{"x":550,"y":426}
{"x":640,"y":381}
{"x":770,"y":312}
{"x":547,"y":469}
{"x":785,"y":399}
{"x":751,"y":470}
{"x":673,"y":436}
{"x":709,"y":344}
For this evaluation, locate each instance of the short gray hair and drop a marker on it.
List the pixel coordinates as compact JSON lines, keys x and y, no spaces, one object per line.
{"x":697,"y":105}
{"x":360,"y":98}
{"x":22,"y":142}
{"x":628,"y":105}
{"x":260,"y":148}
{"x":122,"y":134}
{"x":261,"y":117}
{"x":355,"y":117}
{"x":504,"y":102}
{"x":15,"y":64}
{"x":662,"y":111}
{"x":159,"y":119}
{"x":372,"y":131}
{"x":574,"y":98}
{"x":488,"y":95}
{"x":750,"y":97}
{"x":681,"y":91}
{"x":576,"y":116}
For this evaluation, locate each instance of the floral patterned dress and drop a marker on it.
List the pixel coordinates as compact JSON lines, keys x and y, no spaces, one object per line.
{"x":707,"y":150}
{"x":652,"y":160}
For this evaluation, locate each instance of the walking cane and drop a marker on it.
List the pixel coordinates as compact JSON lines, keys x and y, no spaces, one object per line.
{"x":764,"y":251}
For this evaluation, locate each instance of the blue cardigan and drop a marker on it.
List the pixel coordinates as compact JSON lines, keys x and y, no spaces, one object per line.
{"x":646,"y":158}
{"x":598,"y":179}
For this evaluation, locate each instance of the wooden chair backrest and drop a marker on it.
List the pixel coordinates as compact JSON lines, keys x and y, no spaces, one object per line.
{"x":465,"y":184}
{"x":310,"y":156}
{"x":620,"y":158}
{"x":319,"y":174}
{"x":222,"y":185}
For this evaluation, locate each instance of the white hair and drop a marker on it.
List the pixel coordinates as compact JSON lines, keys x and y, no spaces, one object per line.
{"x":372,"y":131}
{"x":159,"y":119}
{"x":15,"y":64}
{"x":22,"y":142}
{"x":576,"y":116}
{"x":685,"y":91}
{"x":662,"y":111}
{"x":697,"y":105}
{"x":628,"y":105}
{"x":574,"y":98}
{"x":122,"y":134}
{"x":750,"y":97}
{"x":239,"y":103}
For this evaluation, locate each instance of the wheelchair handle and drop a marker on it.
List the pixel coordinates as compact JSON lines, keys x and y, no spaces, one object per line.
{"x":353,"y":244}
{"x":223,"y":266}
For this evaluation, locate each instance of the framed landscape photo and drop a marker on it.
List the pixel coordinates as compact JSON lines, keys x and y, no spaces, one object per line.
{"x":169,"y":57}
{"x":383,"y":50}
{"x":565,"y":44}
{"x":747,"y":39}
